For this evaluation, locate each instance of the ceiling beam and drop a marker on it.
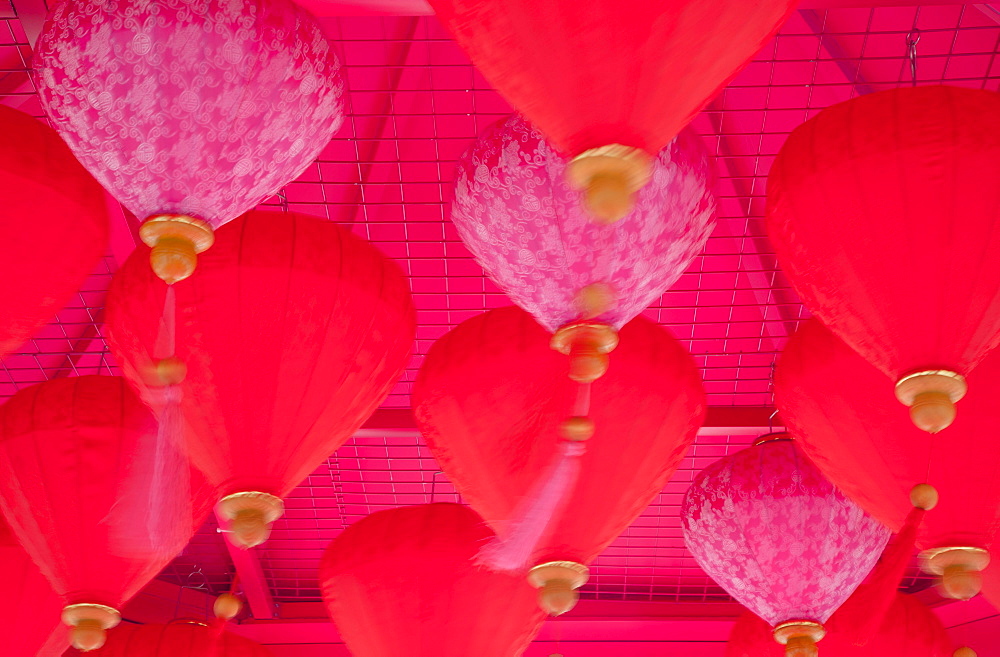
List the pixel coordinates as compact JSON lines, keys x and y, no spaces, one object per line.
{"x":423,"y":8}
{"x":720,"y":420}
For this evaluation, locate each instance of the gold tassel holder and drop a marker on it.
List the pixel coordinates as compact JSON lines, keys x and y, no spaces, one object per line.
{"x":960,"y":569}
{"x":176,"y":240}
{"x":799,"y":637}
{"x":89,"y":623}
{"x":227,"y":606}
{"x":610,"y":176}
{"x":248,"y":516}
{"x":587,"y":344}
{"x":557,"y":583}
{"x":931,"y":396}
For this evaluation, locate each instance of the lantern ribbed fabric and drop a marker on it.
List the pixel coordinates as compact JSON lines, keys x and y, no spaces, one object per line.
{"x":66,"y":451}
{"x":885,"y":213}
{"x":175,"y":639}
{"x":603,"y":72}
{"x":402,"y":582}
{"x":852,"y":427}
{"x":195,"y":108}
{"x":776,"y":535}
{"x":293,"y":331}
{"x":27,"y":602}
{"x":53,"y":212}
{"x":489,"y":400}
{"x":908,"y":629}
{"x":524,"y":224}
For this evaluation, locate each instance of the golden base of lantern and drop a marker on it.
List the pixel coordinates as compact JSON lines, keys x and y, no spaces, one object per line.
{"x":799,"y":637}
{"x":610,"y":176}
{"x":176,"y":240}
{"x":557,"y":583}
{"x":964,"y":651}
{"x":89,"y":623}
{"x":773,"y":437}
{"x":931,"y":396}
{"x":588,"y":345}
{"x":248,"y":516}
{"x":960,"y":569}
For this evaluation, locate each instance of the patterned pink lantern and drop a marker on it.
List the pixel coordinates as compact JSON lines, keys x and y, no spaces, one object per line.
{"x":525,"y":225}
{"x":190,"y":113}
{"x":784,"y":542}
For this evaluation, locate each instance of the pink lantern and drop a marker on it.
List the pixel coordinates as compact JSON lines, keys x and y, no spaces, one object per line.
{"x":525,"y":225}
{"x":779,"y":538}
{"x":190,"y":113}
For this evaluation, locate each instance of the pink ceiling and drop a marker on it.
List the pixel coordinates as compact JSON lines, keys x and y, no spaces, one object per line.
{"x":415,"y":104}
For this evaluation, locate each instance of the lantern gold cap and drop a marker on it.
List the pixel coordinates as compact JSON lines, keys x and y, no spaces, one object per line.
{"x":248,"y":516}
{"x":90,"y":623}
{"x":960,"y":568}
{"x":557,"y":583}
{"x":587,"y":344}
{"x":799,"y":637}
{"x":931,"y":396}
{"x":176,"y":240}
{"x":610,"y":176}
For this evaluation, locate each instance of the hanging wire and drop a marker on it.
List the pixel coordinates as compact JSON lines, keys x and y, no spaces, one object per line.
{"x":912,"y":39}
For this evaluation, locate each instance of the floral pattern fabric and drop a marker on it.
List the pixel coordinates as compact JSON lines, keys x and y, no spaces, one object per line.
{"x":776,"y":535}
{"x":199,"y":107}
{"x":527,"y":227}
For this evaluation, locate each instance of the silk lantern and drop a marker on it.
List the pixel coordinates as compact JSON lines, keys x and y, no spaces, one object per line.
{"x":291,"y":335}
{"x":779,"y":538}
{"x":190,"y":113}
{"x":490,"y":400}
{"x":908,"y":629}
{"x":609,"y":85}
{"x":27,"y":600}
{"x":520,"y":218}
{"x":883,"y":211}
{"x":832,"y":400}
{"x":67,"y":450}
{"x":53,"y":212}
{"x":403,"y":582}
{"x":180,"y":638}
{"x":875,"y":618}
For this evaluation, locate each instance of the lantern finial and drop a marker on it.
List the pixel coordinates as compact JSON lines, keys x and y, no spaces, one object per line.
{"x":931,"y":396}
{"x":176,"y":240}
{"x":227,"y":606}
{"x":89,"y":623}
{"x":924,"y":496}
{"x":964,"y":651}
{"x":799,"y":637}
{"x":248,"y":516}
{"x":557,"y":583}
{"x":587,"y":344}
{"x":610,"y":176}
{"x":960,"y":568}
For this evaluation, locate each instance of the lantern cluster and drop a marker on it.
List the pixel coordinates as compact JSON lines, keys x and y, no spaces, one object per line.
{"x":253,"y":344}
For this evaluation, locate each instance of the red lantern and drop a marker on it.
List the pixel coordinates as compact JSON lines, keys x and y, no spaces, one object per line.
{"x":292,"y":334}
{"x":834,"y":403}
{"x":67,"y":451}
{"x":402,"y":582}
{"x":491,"y":400}
{"x":908,"y":629}
{"x":53,"y":225}
{"x":179,"y":638}
{"x":27,"y":600}
{"x":611,"y":84}
{"x":190,"y":113}
{"x":884,"y":213}
{"x":779,"y":538}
